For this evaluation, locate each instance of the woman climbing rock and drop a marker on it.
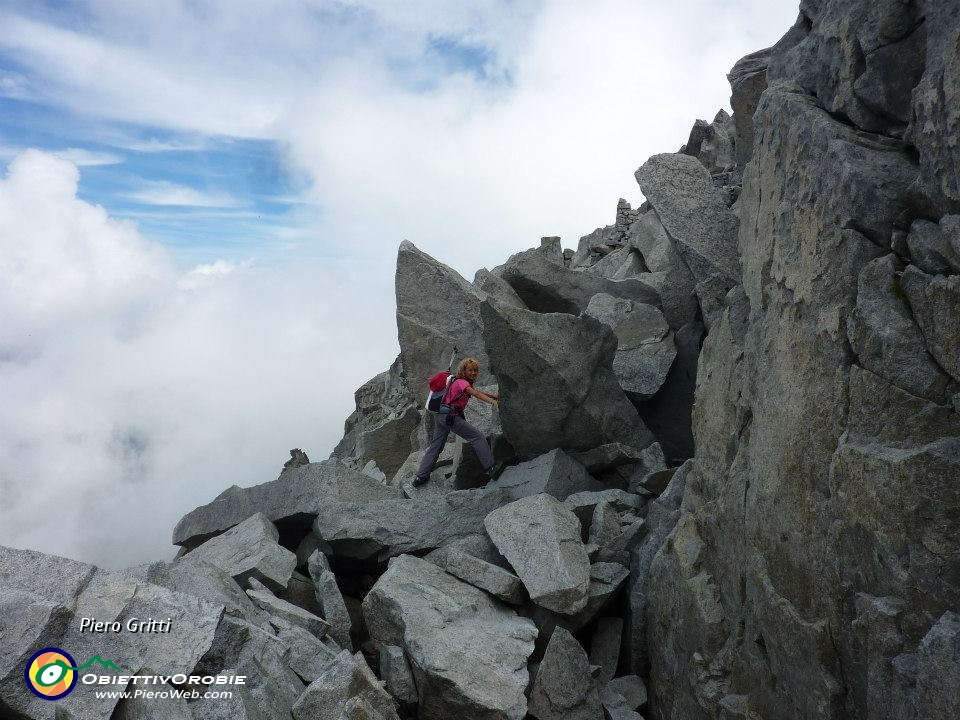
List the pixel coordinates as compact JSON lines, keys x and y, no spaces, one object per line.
{"x":450,"y":419}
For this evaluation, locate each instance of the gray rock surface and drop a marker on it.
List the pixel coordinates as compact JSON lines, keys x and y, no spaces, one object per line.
{"x":669,"y":273}
{"x":554,"y":473}
{"x":541,"y":539}
{"x":645,"y":346}
{"x":201,"y":579}
{"x":938,"y":670}
{"x":498,"y":288}
{"x":271,"y":686}
{"x":935,"y":247}
{"x":293,"y":498}
{"x":396,"y":674}
{"x":275,"y":607}
{"x":495,"y":580}
{"x":563,"y":688}
{"x":308,"y":656}
{"x":388,"y":443}
{"x":437,"y":310}
{"x":884,"y":336}
{"x":328,"y":595}
{"x":748,"y":79}
{"x":249,"y":550}
{"x":467,"y":651}
{"x":346,"y":678}
{"x":605,"y":646}
{"x":583,"y":503}
{"x":393,"y":527}
{"x":557,"y":384}
{"x":546,"y":287}
{"x":694,"y":214}
{"x":935,"y":301}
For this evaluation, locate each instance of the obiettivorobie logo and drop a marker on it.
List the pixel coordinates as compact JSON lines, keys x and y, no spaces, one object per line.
{"x":52,"y":673}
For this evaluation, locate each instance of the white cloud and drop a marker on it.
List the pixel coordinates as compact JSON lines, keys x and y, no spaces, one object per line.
{"x":88,"y":158}
{"x":161,"y":192}
{"x":134,"y":391}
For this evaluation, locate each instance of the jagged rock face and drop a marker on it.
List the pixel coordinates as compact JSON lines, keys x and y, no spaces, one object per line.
{"x":748,"y":80}
{"x":563,"y":688}
{"x":392,"y":527}
{"x":815,"y":560}
{"x":437,"y":310}
{"x":541,"y":539}
{"x":467,"y":651}
{"x":290,"y":500}
{"x":547,"y":287}
{"x":556,"y":380}
{"x":694,"y":213}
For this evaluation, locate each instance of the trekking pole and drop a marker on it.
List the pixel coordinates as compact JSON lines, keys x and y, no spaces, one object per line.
{"x":453,"y":357}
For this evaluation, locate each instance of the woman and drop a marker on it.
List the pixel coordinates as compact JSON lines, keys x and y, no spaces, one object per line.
{"x":450,"y":418}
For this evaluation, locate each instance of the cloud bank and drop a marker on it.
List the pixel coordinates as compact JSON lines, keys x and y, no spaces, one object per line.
{"x":134,"y":390}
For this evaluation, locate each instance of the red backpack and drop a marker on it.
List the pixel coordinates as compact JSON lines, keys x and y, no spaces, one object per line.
{"x":439,"y":383}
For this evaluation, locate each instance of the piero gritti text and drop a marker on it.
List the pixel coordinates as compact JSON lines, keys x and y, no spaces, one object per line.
{"x":133,"y":625}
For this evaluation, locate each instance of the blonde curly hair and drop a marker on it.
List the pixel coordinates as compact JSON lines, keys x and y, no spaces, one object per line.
{"x":466,"y":364}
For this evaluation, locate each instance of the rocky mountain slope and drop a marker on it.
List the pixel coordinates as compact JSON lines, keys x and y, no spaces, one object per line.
{"x":730,"y":423}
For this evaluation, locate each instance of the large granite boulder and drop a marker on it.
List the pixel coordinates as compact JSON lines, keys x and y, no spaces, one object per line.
{"x":564,"y":689}
{"x":267,"y":662}
{"x":393,"y":527}
{"x":669,"y":273}
{"x":645,"y":345}
{"x":437,"y":311}
{"x":346,"y":678}
{"x":291,"y":501}
{"x":249,"y":550}
{"x":388,"y":442}
{"x":554,"y":473}
{"x":557,"y":383}
{"x":330,"y":599}
{"x":468,"y":652}
{"x":694,"y":213}
{"x":547,"y":287}
{"x":44,"y":601}
{"x":935,"y":247}
{"x":748,"y":80}
{"x":541,"y":539}
{"x":813,"y":542}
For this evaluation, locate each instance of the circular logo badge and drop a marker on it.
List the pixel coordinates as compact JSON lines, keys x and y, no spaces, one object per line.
{"x":50,"y":673}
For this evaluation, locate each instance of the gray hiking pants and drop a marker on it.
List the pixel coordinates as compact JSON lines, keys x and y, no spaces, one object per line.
{"x":462,"y":428}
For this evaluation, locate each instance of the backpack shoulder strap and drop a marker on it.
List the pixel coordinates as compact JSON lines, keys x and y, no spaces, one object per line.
{"x":449,"y":388}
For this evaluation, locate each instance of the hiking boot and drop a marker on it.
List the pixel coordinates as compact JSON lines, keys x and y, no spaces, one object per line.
{"x":418,"y":481}
{"x":493,"y":472}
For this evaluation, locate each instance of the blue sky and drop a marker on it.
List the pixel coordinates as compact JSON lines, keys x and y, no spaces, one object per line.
{"x":205,"y":197}
{"x":201,"y":203}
